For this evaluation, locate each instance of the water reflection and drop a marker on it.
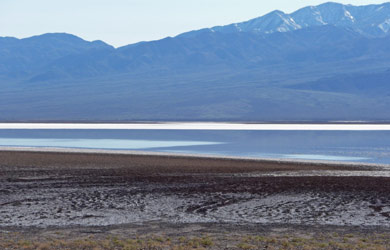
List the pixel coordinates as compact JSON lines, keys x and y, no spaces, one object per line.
{"x":358,"y":146}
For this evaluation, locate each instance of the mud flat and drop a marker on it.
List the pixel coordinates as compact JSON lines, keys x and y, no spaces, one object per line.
{"x":52,"y":189}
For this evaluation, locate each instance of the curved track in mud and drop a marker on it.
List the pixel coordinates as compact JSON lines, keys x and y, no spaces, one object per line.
{"x":67,"y":189}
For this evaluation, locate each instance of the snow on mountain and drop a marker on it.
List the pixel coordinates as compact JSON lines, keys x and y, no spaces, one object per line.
{"x":369,"y":20}
{"x":385,"y":26}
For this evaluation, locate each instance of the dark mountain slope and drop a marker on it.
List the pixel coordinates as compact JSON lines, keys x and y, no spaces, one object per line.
{"x":364,"y":84}
{"x":214,"y":51}
{"x":23,"y":57}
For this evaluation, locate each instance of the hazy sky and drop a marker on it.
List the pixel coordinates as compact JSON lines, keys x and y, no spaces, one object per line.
{"x":120,"y":22}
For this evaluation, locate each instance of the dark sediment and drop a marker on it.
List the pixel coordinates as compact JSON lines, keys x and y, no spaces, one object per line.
{"x":49,"y":189}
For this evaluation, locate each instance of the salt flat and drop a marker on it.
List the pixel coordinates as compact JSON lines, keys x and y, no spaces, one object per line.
{"x":199,"y":126}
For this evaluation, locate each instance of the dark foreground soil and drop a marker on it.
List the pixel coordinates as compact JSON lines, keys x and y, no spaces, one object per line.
{"x":158,"y":235}
{"x":125,"y":201}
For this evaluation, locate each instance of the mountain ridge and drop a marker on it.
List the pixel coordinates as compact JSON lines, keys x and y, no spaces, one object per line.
{"x":375,"y":23}
{"x":319,"y":72}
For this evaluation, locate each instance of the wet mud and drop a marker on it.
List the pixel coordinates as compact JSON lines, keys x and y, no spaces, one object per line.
{"x":48,"y":189}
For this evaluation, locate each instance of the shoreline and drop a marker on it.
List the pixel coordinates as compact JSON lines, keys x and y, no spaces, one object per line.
{"x":190,"y":156}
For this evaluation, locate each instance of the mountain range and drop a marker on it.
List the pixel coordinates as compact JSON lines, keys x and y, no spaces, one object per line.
{"x":320,"y":63}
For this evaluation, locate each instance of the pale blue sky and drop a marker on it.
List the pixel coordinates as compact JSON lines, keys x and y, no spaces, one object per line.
{"x":121,"y":22}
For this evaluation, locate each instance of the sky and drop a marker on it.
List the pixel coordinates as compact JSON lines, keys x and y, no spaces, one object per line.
{"x":122,"y":22}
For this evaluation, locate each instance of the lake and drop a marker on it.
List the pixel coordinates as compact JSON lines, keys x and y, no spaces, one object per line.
{"x":347,"y":145}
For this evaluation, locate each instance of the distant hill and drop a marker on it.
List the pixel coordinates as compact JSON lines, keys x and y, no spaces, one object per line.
{"x":21,"y":58}
{"x":327,"y":62}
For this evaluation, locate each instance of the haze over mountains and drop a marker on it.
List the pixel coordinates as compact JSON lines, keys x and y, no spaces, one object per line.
{"x":329,"y":62}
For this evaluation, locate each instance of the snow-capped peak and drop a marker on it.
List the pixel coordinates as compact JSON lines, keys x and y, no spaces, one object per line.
{"x":370,"y":20}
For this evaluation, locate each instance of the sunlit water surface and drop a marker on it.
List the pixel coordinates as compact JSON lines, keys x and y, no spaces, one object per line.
{"x":351,"y":146}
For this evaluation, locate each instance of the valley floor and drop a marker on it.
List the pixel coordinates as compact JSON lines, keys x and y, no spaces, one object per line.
{"x":184,"y":201}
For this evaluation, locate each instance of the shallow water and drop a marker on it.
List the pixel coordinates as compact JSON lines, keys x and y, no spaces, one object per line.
{"x":350,"y":146}
{"x":98,"y":143}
